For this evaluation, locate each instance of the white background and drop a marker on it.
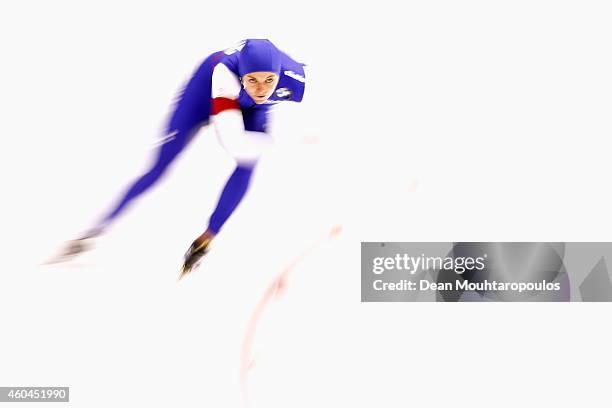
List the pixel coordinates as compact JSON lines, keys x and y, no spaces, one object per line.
{"x":442,"y":121}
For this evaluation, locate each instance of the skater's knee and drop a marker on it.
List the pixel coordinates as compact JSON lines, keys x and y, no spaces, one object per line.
{"x":154,"y":172}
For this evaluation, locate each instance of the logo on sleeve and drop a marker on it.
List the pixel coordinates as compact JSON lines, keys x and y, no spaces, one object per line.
{"x":283,"y":93}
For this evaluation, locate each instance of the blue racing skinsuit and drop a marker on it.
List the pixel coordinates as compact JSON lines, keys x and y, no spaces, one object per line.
{"x":214,"y":94}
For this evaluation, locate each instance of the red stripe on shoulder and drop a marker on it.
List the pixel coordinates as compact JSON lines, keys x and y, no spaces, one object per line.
{"x":221,"y":104}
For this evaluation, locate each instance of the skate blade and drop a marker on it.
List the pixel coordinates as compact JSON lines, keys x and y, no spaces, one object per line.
{"x":60,"y":259}
{"x":183,"y":272}
{"x":186,"y":270}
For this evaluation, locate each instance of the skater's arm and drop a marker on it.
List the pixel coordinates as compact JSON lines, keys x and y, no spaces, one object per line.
{"x":227,"y":116}
{"x":244,"y":146}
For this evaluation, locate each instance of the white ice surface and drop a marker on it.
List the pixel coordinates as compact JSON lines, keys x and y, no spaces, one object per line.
{"x":492,"y":125}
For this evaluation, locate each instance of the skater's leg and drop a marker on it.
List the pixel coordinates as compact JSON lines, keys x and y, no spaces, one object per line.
{"x":255,"y":141}
{"x":233,"y":192}
{"x":166,"y":154}
{"x":246,"y":149}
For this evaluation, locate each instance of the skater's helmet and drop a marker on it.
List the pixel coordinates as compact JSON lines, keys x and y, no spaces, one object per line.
{"x":259,"y":66}
{"x":259,"y":55}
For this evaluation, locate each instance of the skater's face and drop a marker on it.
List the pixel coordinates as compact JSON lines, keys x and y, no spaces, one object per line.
{"x":260,"y":85}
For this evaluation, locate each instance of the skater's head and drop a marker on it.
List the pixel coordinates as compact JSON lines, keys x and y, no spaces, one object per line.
{"x":260,"y":85}
{"x":259,"y":67}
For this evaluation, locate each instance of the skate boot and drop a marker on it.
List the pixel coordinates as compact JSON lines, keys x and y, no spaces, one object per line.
{"x":194,"y":254}
{"x":72,"y":249}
